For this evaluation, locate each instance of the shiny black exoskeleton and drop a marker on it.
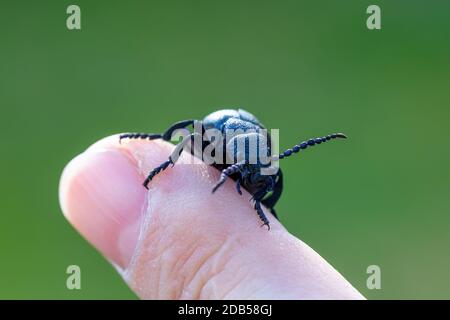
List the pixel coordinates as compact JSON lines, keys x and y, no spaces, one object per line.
{"x":265,"y":188}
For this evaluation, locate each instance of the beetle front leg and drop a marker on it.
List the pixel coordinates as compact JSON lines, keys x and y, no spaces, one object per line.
{"x":258,"y":198}
{"x":172,"y":159}
{"x":155,"y":171}
{"x":238,"y":186}
{"x":167,"y":135}
{"x":136,"y":135}
{"x":270,"y":201}
{"x":226,"y":173}
{"x":261,"y":214}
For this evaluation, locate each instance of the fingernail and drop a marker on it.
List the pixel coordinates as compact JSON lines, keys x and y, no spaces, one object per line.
{"x":101,"y":194}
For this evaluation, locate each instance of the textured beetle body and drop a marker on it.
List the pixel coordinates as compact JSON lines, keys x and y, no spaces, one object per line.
{"x":229,"y":118}
{"x":265,"y":189}
{"x":234,"y":120}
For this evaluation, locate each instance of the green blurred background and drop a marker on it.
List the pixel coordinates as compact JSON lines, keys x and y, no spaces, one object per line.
{"x":306,"y":67}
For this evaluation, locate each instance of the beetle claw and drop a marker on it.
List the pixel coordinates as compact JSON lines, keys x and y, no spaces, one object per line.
{"x":214,"y":189}
{"x":266,"y":224}
{"x":238,"y":187}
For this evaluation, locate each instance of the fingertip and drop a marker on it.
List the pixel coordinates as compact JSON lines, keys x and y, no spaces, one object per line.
{"x":100,"y":196}
{"x":101,"y":193}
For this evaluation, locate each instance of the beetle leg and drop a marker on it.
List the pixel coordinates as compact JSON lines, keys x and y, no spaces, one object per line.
{"x":179,"y":148}
{"x":258,"y":196}
{"x":155,"y":171}
{"x":261,"y":214}
{"x":226,"y":173}
{"x":167,"y":135}
{"x":172,"y":159}
{"x":272,"y":199}
{"x":136,"y":135}
{"x":238,"y":186}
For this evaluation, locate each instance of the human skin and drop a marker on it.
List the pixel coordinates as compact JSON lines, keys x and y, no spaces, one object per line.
{"x":180,"y":241}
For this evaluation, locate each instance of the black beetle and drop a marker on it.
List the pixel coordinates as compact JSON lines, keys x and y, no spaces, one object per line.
{"x":265,"y":189}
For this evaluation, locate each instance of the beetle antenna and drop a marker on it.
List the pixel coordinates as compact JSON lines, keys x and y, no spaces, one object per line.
{"x":309,"y":143}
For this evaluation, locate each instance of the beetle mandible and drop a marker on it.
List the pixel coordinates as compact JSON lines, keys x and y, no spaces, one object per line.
{"x":265,"y":188}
